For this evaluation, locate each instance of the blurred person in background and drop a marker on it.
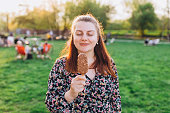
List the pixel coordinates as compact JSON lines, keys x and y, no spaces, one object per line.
{"x":51,"y":34}
{"x":28,"y":53}
{"x":16,"y":40}
{"x":1,"y":42}
{"x":46,"y":50}
{"x":146,"y":41}
{"x":40,"y":51}
{"x":28,"y":33}
{"x":20,"y":49}
{"x":10,"y":40}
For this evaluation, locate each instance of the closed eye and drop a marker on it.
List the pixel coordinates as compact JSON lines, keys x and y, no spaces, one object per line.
{"x":79,"y":33}
{"x":90,"y":33}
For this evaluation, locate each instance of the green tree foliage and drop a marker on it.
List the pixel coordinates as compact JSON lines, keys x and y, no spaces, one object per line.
{"x":132,"y":5}
{"x":163,"y":23}
{"x":3,"y":22}
{"x":143,"y":18}
{"x":101,"y":12}
{"x":38,"y":19}
{"x":163,"y":26}
{"x":118,"y":25}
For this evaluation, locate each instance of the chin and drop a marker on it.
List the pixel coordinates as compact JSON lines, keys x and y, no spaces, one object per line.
{"x":82,"y":51}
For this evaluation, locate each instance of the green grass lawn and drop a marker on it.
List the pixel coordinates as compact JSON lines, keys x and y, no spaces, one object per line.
{"x":144,"y":77}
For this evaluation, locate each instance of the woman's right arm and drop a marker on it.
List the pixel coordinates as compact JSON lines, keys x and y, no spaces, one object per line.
{"x":57,"y":87}
{"x":77,"y":85}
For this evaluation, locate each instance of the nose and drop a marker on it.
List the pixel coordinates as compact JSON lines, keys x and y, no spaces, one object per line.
{"x":84,"y":37}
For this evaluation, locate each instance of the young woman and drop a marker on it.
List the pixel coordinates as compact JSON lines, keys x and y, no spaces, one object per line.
{"x":98,"y":90}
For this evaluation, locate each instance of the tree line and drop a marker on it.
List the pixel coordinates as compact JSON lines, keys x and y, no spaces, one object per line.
{"x":143,"y":17}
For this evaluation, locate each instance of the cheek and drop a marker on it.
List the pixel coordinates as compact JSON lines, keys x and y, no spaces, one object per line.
{"x":94,"y":40}
{"x":75,"y":41}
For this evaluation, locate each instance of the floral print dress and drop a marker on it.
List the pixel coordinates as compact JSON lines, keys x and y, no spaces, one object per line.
{"x":100,"y":95}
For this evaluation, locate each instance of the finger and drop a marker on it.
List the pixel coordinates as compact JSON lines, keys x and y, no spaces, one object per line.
{"x":79,"y":82}
{"x":79,"y":89}
{"x":80,"y":86}
{"x":79,"y":77}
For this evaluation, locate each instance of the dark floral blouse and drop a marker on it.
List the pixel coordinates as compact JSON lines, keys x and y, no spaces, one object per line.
{"x":100,"y":95}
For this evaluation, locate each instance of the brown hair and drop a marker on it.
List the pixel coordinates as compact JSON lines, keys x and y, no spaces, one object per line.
{"x":103,"y":59}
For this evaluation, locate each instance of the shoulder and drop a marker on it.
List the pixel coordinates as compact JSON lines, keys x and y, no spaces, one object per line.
{"x":60,"y":61}
{"x":59,"y":67}
{"x":113,"y":64}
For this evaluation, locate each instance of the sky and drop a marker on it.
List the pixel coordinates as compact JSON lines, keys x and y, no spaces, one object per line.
{"x":19,"y":6}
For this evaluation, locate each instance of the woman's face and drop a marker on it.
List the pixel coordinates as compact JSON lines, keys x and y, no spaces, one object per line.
{"x":85,"y":37}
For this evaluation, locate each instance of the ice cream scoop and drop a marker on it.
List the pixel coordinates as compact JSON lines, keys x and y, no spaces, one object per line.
{"x":82,"y":64}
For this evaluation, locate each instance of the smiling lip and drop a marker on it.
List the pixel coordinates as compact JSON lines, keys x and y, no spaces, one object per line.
{"x":84,"y":44}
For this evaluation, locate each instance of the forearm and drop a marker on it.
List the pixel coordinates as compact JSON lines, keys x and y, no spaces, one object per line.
{"x":56,"y":103}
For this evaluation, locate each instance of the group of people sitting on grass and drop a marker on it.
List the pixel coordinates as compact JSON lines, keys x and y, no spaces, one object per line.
{"x":25,"y":48}
{"x":25,"y":51}
{"x":6,"y":41}
{"x":153,"y":42}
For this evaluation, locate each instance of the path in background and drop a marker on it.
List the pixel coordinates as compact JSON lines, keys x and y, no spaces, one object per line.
{"x":137,"y":41}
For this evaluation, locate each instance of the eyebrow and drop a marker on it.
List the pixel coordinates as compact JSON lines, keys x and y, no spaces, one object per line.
{"x":87,"y":31}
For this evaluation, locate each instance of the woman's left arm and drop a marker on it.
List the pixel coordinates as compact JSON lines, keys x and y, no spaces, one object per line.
{"x":115,"y":95}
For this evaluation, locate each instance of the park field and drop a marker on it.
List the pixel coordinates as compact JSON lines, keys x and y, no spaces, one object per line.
{"x":152,"y":33}
{"x":144,"y":78}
